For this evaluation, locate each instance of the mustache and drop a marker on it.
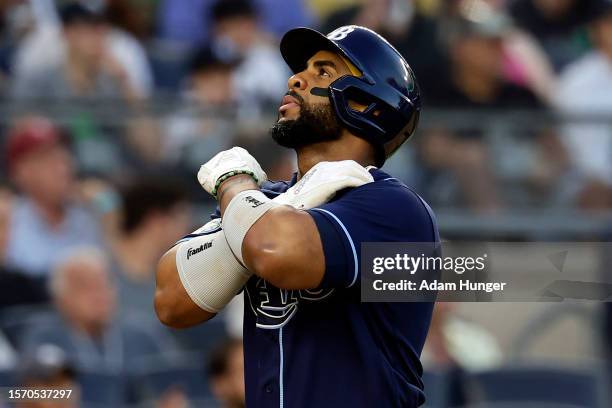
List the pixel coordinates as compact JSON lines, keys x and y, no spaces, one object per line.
{"x":296,"y":96}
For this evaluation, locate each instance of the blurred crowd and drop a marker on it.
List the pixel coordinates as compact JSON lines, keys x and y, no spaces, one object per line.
{"x":108,"y":107}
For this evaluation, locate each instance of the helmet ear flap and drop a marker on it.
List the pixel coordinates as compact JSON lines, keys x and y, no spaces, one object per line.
{"x":378,"y":123}
{"x":362,"y":122}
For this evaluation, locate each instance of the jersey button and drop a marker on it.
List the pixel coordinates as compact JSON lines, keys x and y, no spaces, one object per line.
{"x":269,"y":388}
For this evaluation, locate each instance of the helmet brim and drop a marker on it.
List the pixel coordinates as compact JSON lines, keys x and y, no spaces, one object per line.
{"x":299,"y":44}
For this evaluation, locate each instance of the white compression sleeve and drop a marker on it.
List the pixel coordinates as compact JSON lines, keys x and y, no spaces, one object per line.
{"x":209,"y":272}
{"x":241,"y":213}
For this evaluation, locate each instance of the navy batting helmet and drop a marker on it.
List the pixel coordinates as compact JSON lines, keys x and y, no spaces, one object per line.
{"x":387,"y":85}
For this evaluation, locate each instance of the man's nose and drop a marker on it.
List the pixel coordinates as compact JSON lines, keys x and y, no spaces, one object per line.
{"x":297,"y":82}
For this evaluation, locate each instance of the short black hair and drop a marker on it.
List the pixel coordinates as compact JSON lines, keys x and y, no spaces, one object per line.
{"x":226,"y":9}
{"x":73,"y":13}
{"x":218,"y":360}
{"x":146,"y":195}
{"x":205,"y":59}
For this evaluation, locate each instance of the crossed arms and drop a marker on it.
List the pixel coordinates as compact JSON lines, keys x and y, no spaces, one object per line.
{"x":282,"y":246}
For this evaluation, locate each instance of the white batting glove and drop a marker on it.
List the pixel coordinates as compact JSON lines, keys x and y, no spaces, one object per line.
{"x":226,"y":164}
{"x":321,"y":183}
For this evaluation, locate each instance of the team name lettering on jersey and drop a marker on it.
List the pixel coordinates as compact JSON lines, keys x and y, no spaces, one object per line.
{"x":274,"y":307}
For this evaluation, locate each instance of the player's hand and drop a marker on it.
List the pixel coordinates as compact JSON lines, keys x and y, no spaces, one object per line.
{"x":235,"y":160}
{"x":321,"y":183}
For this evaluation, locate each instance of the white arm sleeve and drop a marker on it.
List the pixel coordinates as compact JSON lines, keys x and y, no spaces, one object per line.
{"x":208,"y":269}
{"x":241,"y":213}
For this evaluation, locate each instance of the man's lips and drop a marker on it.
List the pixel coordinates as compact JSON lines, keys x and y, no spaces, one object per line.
{"x":288,"y":102}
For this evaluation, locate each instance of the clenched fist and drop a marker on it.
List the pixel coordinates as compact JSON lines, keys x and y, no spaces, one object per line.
{"x":226,"y":164}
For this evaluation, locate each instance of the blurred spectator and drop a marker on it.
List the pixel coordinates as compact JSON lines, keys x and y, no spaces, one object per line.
{"x":524,"y":61}
{"x":15,"y":288}
{"x":556,"y":24}
{"x":226,"y":374}
{"x":88,"y":70}
{"x":7,"y":198}
{"x":155,"y":214}
{"x":413,"y":34}
{"x":110,"y":62}
{"x":143,"y":139}
{"x":87,"y":326}
{"x":278,"y":17}
{"x":475,"y":82}
{"x":206,"y":122}
{"x":261,"y":74}
{"x":453,"y":340}
{"x":526,"y":64}
{"x":136,"y":17}
{"x":585,"y":88}
{"x":278,"y":162}
{"x":9,"y":35}
{"x":325,"y":8}
{"x":47,"y":368}
{"x":187,"y":22}
{"x":457,"y":346}
{"x":45,"y":220}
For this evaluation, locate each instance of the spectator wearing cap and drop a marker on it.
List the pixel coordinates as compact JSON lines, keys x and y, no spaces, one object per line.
{"x":410,"y":31}
{"x":261,"y":75}
{"x":45,"y":220}
{"x":558,"y":25}
{"x":87,"y":325}
{"x":458,"y":161}
{"x":89,"y":67}
{"x":585,"y":88}
{"x":47,"y":367}
{"x":206,"y":121}
{"x":186,"y":23}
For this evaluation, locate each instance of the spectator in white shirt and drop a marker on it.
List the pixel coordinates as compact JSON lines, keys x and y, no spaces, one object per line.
{"x":585,"y":88}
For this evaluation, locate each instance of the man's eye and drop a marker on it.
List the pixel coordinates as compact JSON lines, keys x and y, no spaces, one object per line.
{"x":323,"y":73}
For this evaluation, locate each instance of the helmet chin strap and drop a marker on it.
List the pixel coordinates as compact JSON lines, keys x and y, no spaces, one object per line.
{"x":323,"y":92}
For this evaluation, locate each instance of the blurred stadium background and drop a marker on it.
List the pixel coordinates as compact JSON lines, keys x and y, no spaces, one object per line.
{"x":108,"y":107}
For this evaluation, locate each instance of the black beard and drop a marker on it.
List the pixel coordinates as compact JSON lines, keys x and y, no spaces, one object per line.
{"x":314,"y":125}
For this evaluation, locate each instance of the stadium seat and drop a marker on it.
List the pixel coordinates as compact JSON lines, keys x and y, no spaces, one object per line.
{"x":436,"y":389}
{"x":185,"y":371}
{"x":522,"y":404}
{"x":102,"y":389}
{"x":7,"y":378}
{"x":541,"y":385}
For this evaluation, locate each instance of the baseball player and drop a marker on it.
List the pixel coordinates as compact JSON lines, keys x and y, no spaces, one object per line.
{"x":293,"y":248}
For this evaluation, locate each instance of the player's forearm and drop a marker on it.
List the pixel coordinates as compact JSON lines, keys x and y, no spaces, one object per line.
{"x":233,"y":186}
{"x":284,"y":248}
{"x":173,"y":305}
